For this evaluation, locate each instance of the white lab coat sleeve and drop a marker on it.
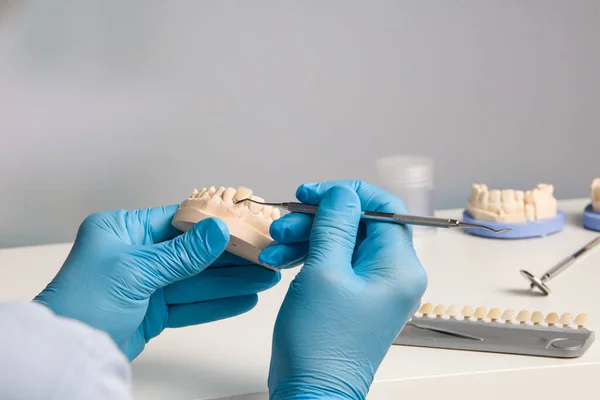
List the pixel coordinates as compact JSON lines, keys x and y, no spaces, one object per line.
{"x":44,"y":356}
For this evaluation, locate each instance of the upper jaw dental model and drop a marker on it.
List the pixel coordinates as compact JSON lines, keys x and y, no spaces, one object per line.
{"x":591,"y":214}
{"x":595,"y":194}
{"x":527,"y":213}
{"x":248,"y":222}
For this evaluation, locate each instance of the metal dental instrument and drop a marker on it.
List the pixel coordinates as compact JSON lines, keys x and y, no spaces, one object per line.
{"x":379,"y":216}
{"x":540,"y":283}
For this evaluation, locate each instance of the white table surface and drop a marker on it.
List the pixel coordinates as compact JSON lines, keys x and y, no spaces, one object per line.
{"x":231,"y":357}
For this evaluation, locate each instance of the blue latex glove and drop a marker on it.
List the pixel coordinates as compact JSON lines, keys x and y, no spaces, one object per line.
{"x":131,"y":274}
{"x":360,"y":284}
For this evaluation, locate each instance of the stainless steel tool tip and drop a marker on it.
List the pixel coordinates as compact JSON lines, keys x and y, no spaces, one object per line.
{"x":535,"y":282}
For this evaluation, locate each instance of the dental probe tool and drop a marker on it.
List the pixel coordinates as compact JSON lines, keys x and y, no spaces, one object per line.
{"x":540,"y":283}
{"x":379,"y":216}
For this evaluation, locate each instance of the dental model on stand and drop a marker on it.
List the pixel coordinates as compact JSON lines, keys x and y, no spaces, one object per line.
{"x":591,"y":214}
{"x":248,"y":222}
{"x":526,"y":213}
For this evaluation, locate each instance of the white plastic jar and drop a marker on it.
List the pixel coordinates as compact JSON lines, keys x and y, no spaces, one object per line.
{"x":410,"y":177}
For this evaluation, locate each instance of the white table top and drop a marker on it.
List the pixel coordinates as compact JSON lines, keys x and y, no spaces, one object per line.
{"x":231,"y":357}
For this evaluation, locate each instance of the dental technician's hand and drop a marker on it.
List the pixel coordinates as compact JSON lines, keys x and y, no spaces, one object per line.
{"x":131,"y":274}
{"x":358,"y":287}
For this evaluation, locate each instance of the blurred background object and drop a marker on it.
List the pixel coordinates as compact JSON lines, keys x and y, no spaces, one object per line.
{"x":111,"y":104}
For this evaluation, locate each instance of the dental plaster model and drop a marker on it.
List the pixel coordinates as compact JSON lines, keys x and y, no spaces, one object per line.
{"x":248,"y":222}
{"x":512,"y":206}
{"x":595,"y":194}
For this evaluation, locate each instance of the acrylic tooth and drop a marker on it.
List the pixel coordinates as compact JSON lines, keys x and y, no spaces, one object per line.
{"x":276,"y":214}
{"x":228,"y":194}
{"x":242,"y":193}
{"x":581,"y":320}
{"x":439,"y":311}
{"x":537,"y":317}
{"x":426,"y":309}
{"x":519,"y":196}
{"x":494,"y":314}
{"x":566,"y":319}
{"x":452,"y":311}
{"x":267,"y":211}
{"x":523,"y":316}
{"x":467,"y":312}
{"x":508,"y":315}
{"x":480,"y":313}
{"x":552,"y":319}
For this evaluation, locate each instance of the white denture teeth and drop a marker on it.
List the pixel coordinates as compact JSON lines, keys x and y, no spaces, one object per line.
{"x":243,"y":193}
{"x":452,"y":312}
{"x":497,"y":331}
{"x":512,"y":206}
{"x":537,"y":317}
{"x":581,"y":320}
{"x":494,"y":314}
{"x":508,"y":316}
{"x":566,"y":320}
{"x":480,"y":313}
{"x":523,"y":316}
{"x":426,"y":309}
{"x":552,"y":319}
{"x":467,"y":312}
{"x":439,"y":311}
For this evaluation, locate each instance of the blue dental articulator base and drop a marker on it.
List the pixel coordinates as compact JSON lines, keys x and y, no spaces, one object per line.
{"x":591,"y":219}
{"x":520,"y":230}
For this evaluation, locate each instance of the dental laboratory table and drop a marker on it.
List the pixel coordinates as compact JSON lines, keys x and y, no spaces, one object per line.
{"x":231,"y":357}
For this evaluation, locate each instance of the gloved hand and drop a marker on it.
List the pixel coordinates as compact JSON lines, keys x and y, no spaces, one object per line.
{"x":131,"y":274}
{"x":360,"y":284}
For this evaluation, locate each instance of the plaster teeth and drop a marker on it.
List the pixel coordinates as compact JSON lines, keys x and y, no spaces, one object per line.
{"x":426,"y":309}
{"x":195,"y":193}
{"x":452,"y":312}
{"x":480,"y":313}
{"x":276,"y":214}
{"x":219,"y":192}
{"x":523,"y":316}
{"x":211,"y":190}
{"x":267,"y":211}
{"x":581,"y":320}
{"x":254,"y":207}
{"x":467,"y":312}
{"x":228,"y":195}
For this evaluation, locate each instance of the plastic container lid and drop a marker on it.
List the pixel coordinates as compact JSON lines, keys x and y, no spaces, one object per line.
{"x":406,"y":169}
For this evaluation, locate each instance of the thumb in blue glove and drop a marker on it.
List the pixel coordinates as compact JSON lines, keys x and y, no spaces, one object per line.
{"x":358,"y":287}
{"x":131,"y":274}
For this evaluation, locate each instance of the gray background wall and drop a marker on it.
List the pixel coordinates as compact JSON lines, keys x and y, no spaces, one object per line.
{"x":133,"y":104}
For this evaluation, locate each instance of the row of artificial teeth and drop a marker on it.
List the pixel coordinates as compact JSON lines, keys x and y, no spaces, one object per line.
{"x":496,"y":315}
